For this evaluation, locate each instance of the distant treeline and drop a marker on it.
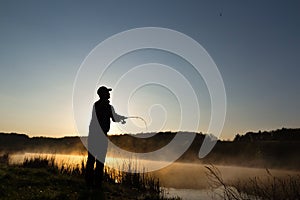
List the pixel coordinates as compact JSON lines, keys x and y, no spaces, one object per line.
{"x":283,"y":134}
{"x":269,"y":149}
{"x":14,"y":142}
{"x":278,"y":148}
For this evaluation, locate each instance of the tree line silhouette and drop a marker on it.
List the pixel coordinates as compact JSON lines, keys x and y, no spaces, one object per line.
{"x":277,"y":148}
{"x":283,"y":134}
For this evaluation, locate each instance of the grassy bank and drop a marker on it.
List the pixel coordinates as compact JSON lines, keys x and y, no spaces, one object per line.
{"x":41,"y":178}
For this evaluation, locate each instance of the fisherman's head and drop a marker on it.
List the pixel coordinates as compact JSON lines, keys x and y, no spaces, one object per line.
{"x":103,"y":92}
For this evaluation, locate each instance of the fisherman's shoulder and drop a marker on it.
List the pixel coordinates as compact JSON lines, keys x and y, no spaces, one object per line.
{"x":100,"y":103}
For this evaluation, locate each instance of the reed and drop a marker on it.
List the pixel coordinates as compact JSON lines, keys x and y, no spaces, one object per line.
{"x":256,"y":188}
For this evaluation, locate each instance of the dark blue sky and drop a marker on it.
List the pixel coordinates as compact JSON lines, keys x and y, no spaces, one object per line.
{"x":255,"y":44}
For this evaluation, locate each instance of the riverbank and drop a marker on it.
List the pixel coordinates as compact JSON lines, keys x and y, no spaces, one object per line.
{"x":42,"y":179}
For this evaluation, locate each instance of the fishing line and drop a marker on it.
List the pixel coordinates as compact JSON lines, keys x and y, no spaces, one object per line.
{"x":137,"y":117}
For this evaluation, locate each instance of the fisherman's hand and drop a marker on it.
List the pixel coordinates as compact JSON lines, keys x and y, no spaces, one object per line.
{"x":122,"y":119}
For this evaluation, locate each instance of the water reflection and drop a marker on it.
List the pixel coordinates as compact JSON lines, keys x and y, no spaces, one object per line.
{"x":60,"y":159}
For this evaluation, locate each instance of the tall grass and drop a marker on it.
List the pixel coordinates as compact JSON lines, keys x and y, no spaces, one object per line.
{"x":50,"y":164}
{"x":4,"y":158}
{"x":141,"y":181}
{"x":269,"y":188}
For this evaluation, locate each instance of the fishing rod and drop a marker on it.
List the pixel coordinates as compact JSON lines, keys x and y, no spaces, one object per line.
{"x":137,"y":117}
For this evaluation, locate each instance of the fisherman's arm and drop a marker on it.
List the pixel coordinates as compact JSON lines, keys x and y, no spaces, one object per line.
{"x":116,"y":117}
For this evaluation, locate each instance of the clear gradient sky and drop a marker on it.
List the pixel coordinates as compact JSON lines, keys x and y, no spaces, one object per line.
{"x":255,"y":44}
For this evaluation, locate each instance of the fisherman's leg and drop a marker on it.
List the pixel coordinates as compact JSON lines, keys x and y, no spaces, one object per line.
{"x":89,"y":173}
{"x":99,"y":172}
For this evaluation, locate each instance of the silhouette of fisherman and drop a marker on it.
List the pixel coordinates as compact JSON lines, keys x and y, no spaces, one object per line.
{"x":97,"y":139}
